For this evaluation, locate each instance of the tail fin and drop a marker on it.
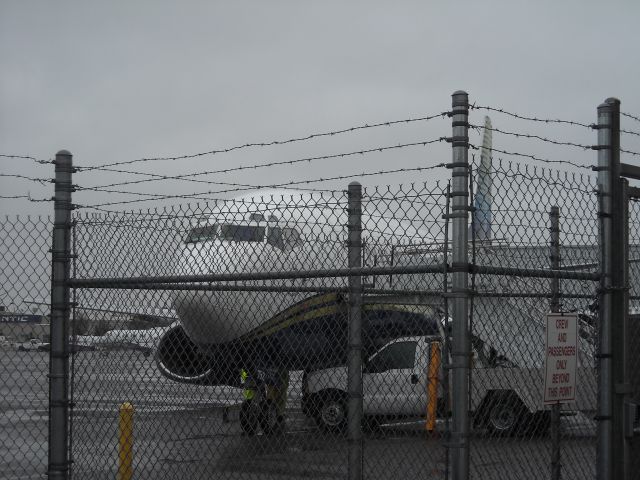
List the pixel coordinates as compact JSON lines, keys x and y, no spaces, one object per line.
{"x":483,"y":200}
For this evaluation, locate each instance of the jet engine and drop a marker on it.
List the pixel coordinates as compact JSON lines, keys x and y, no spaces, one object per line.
{"x":181,"y":360}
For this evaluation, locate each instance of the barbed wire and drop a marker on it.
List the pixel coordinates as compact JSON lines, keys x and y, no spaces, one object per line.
{"x":196,"y":196}
{"x":530,"y":118}
{"x":318,"y":201}
{"x":630,"y":132}
{"x":538,"y":159}
{"x":27,"y":197}
{"x":635,"y":154}
{"x":274,"y":142}
{"x":237,"y":187}
{"x":535,"y":137}
{"x":533,"y":176}
{"x":632,"y":117}
{"x":26,"y":157}
{"x":272,"y":164}
{"x":41,"y":181}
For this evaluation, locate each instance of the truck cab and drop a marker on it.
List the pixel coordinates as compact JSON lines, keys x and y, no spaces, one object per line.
{"x":394,"y":384}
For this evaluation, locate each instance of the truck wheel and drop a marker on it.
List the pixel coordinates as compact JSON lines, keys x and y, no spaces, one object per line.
{"x":332,"y":415}
{"x":271,"y":422}
{"x":248,"y":418}
{"x":505,"y":413}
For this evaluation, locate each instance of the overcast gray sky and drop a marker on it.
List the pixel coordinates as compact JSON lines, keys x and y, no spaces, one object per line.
{"x":114,"y":81}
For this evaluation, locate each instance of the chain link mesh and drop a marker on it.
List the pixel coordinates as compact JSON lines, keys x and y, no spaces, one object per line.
{"x":633,"y":334}
{"x":508,"y":325}
{"x":225,"y":326}
{"x":25,"y":272}
{"x":247,"y":376}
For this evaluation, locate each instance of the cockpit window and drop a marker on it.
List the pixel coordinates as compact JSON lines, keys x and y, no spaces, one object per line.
{"x":201,"y":234}
{"x":283,"y":238}
{"x":241,"y":233}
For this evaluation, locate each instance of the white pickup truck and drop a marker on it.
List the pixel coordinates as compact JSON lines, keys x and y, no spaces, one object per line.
{"x":505,"y":399}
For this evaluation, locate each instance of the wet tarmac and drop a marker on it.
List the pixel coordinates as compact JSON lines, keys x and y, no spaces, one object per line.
{"x":181,"y":431}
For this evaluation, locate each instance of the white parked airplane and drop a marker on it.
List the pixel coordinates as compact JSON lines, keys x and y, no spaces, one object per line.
{"x":144,"y":340}
{"x":223,"y":331}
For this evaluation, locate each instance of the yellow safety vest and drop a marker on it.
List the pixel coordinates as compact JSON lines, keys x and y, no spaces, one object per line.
{"x":247,"y":392}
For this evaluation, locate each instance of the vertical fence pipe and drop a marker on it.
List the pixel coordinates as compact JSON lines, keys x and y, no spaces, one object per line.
{"x":58,"y":462}
{"x":446,"y":365}
{"x":354,"y":372}
{"x":461,"y":348}
{"x":622,"y":335}
{"x":554,"y":257}
{"x":619,"y":308}
{"x":74,"y":341}
{"x":608,"y":171}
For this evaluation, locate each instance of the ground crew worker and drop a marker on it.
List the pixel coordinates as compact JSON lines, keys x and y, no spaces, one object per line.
{"x":248,"y":391}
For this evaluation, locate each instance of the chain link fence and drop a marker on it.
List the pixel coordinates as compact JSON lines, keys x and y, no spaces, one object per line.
{"x":25,"y":273}
{"x":508,"y":324}
{"x":633,"y":333}
{"x":272,"y":389}
{"x":364,"y":333}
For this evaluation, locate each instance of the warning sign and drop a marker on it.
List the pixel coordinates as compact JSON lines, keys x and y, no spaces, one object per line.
{"x":561,"y":354}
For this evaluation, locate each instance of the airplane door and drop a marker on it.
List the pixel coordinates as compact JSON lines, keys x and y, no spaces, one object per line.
{"x":389,"y":384}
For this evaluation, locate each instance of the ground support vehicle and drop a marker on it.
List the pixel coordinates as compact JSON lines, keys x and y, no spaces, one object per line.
{"x":505,"y":399}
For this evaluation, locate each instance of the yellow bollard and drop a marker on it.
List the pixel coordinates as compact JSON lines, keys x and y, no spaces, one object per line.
{"x":432,"y":386}
{"x":125,"y":442}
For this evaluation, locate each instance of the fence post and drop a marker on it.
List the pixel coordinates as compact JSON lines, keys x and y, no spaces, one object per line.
{"x":461,"y":347}
{"x":554,"y":245}
{"x":621,"y":336}
{"x":354,"y":373}
{"x":58,"y":464}
{"x":608,"y":180}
